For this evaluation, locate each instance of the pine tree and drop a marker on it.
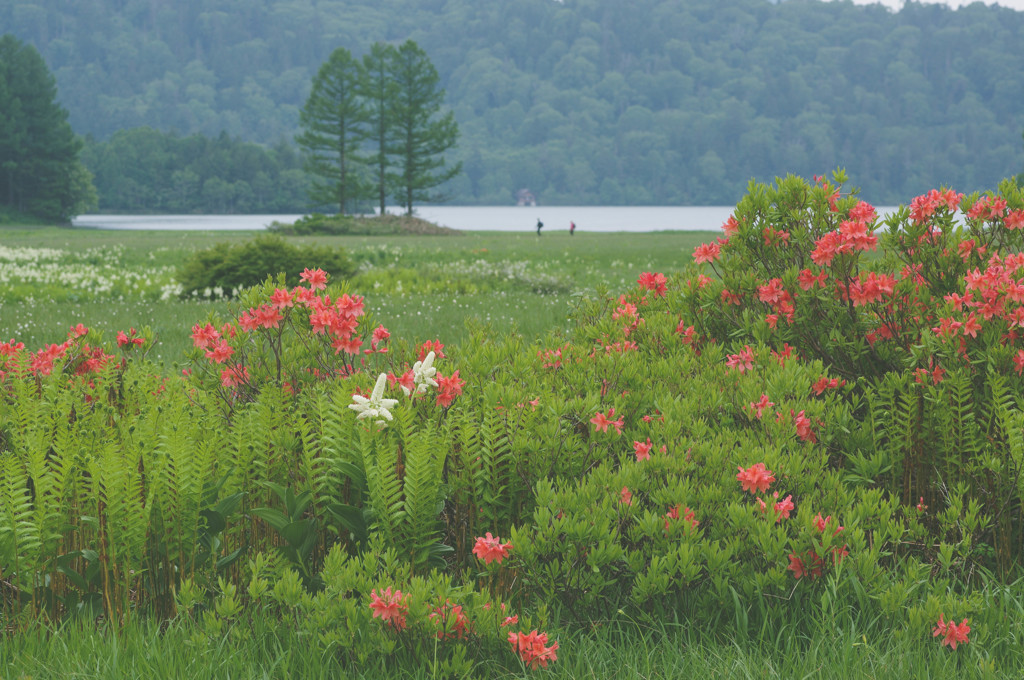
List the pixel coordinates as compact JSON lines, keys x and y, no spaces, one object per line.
{"x":40,"y":174}
{"x":378,"y":89}
{"x":334,"y":121}
{"x":418,"y":138}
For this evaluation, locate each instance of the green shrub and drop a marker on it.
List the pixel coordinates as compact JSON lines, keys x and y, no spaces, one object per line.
{"x":317,"y":223}
{"x":233,"y":267}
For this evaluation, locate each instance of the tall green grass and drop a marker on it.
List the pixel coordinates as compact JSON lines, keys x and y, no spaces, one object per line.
{"x":264,"y":648}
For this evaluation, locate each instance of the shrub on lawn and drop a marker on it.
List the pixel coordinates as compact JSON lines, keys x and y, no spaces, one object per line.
{"x":231,"y":268}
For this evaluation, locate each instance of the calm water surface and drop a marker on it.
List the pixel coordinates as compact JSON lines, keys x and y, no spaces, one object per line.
{"x":466,"y":218}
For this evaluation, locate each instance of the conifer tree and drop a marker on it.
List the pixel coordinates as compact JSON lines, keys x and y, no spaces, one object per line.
{"x":334,"y":121}
{"x":418,"y":137}
{"x":378,"y":89}
{"x":40,"y":174}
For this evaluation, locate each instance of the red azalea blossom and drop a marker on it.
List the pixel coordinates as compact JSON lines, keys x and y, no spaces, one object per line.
{"x":759,"y":407}
{"x":129,"y":339}
{"x":803,"y":427}
{"x":234,"y":376}
{"x":987,"y":208}
{"x":281,"y":299}
{"x":625,"y":496}
{"x":531,"y":648}
{"x":391,"y":608}
{"x":951,"y":633}
{"x":220,"y":352}
{"x":643,"y":449}
{"x":706,"y":252}
{"x":810,"y":565}
{"x":203,"y":336}
{"x":687,"y":516}
{"x":743,"y":361}
{"x":654,"y":282}
{"x":731,"y":227}
{"x":601,"y":421}
{"x":459,"y":625}
{"x":435,"y":346}
{"x":807,"y":279}
{"x":448,"y":388}
{"x":755,"y":479}
{"x":490,"y":549}
{"x":316,"y":278}
{"x":783,"y":508}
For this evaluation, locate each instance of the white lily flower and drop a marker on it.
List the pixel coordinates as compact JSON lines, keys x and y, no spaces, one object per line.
{"x":376,"y":406}
{"x":423,"y":373}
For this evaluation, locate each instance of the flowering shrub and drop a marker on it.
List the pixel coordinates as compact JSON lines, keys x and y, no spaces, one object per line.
{"x":923,"y":321}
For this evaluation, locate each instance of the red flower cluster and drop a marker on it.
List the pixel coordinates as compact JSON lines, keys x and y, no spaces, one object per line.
{"x":852,"y":236}
{"x":601,"y":421}
{"x":654,"y":282}
{"x":490,"y":548}
{"x":824,"y":383}
{"x":706,"y":252}
{"x":531,"y":648}
{"x":448,"y":388}
{"x":687,"y":516}
{"x":951,"y":633}
{"x":435,"y":346}
{"x":742,"y":361}
{"x":129,"y":339}
{"x":923,"y":207}
{"x":452,"y":620}
{"x":391,"y":608}
{"x":552,"y":357}
{"x":755,"y":479}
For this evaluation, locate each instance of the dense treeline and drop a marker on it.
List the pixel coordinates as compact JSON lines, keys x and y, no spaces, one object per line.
{"x":603,"y":101}
{"x":144,"y":170}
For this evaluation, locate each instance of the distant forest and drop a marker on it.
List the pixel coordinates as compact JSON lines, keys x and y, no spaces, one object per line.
{"x":579,"y":101}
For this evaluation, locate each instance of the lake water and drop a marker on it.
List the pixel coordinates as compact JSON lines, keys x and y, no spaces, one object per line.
{"x":466,"y":218}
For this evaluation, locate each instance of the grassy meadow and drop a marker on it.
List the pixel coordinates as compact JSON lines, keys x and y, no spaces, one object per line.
{"x":423,"y":287}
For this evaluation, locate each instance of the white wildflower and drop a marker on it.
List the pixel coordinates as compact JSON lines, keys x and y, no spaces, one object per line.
{"x":423,"y":373}
{"x":376,"y":406}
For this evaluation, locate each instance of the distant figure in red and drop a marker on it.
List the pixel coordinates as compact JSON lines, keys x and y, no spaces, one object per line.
{"x":572,"y":228}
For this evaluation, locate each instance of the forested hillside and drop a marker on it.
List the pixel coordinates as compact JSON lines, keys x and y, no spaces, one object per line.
{"x":582,"y":101}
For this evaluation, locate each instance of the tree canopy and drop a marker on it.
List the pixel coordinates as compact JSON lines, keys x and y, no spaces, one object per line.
{"x":40,"y":174}
{"x":143,"y":170}
{"x":583,"y":101}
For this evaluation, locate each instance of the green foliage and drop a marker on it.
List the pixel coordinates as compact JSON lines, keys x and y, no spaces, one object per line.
{"x":675,"y":456}
{"x":233,"y":267}
{"x":40,"y":174}
{"x":657,"y":102}
{"x":334,"y":122}
{"x":925,"y":332}
{"x":142,"y":170}
{"x":418,"y":139}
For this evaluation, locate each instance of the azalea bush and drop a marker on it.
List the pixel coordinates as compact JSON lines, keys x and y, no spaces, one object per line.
{"x":371,"y":608}
{"x":923,"y":322}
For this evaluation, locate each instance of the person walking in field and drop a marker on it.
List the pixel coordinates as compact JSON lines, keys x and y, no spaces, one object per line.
{"x":572,"y":227}
{"x":540,"y":225}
